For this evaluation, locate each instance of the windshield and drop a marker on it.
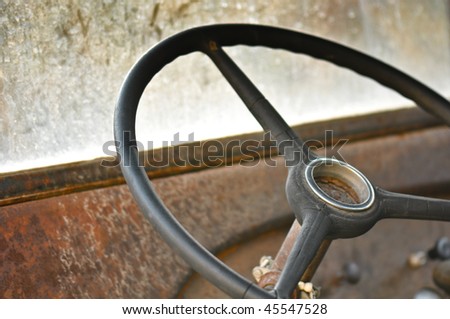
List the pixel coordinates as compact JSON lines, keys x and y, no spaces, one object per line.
{"x":62,"y":64}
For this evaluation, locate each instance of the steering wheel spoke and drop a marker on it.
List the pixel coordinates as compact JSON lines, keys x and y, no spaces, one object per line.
{"x":313,"y":232}
{"x":288,"y":142}
{"x":395,"y":205}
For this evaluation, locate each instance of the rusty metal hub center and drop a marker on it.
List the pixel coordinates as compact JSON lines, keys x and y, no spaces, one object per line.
{"x":339,"y":184}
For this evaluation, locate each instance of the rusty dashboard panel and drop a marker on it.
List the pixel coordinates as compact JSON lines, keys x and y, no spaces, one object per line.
{"x":95,"y":243}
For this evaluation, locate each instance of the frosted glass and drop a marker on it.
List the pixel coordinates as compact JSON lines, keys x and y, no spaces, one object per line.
{"x":62,"y":64}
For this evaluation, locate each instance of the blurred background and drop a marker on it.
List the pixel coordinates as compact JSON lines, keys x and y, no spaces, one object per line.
{"x":62,"y":63}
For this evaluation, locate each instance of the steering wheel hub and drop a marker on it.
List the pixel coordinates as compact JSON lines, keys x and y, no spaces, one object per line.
{"x":339,"y":184}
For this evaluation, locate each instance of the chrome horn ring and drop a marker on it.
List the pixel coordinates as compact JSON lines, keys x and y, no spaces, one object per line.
{"x":339,"y":184}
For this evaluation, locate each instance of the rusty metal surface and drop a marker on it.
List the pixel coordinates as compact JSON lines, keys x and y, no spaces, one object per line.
{"x":92,"y":245}
{"x":271,"y":278}
{"x":337,"y":189}
{"x":96,"y":243}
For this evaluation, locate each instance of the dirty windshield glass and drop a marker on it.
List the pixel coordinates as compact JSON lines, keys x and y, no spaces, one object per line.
{"x":62,"y":64}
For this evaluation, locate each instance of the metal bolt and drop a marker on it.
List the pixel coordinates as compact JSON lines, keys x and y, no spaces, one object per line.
{"x":351,"y":272}
{"x":441,"y":249}
{"x":266,"y":261}
{"x":308,"y":291}
{"x":308,"y":287}
{"x":265,"y":264}
{"x":257,"y":273}
{"x":417,"y":259}
{"x":301,"y":285}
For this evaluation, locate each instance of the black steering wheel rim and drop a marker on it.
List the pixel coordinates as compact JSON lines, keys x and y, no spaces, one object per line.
{"x":201,"y":39}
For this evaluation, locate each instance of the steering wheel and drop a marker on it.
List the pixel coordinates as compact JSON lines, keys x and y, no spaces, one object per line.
{"x":323,"y":215}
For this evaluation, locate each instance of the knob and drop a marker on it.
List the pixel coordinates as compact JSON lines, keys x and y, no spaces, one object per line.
{"x":441,"y":249}
{"x":351,"y":272}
